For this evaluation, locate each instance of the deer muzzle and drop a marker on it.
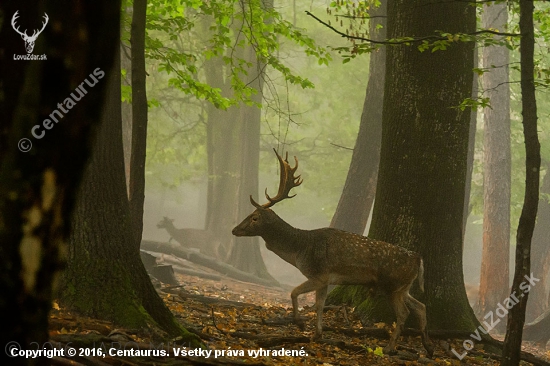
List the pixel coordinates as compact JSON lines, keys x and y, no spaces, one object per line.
{"x":237,"y":231}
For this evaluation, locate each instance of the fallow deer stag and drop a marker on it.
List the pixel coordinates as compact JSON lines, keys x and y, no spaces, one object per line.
{"x":330,"y":256}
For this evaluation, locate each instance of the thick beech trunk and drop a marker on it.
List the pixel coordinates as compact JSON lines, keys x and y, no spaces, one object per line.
{"x":38,"y":187}
{"x":105,"y":277}
{"x":423,"y":166}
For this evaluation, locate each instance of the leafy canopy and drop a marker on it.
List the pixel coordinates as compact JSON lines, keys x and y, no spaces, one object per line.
{"x":230,"y":25}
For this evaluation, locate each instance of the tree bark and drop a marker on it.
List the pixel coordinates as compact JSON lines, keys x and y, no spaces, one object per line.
{"x":471,"y":149}
{"x":233,"y":143}
{"x":420,"y":196}
{"x":494,"y":278}
{"x":38,"y":187}
{"x":139,"y":120}
{"x":244,"y":252}
{"x":354,"y":206}
{"x":105,"y":277}
{"x":539,"y":300}
{"x":126,"y":64}
{"x":516,"y":316}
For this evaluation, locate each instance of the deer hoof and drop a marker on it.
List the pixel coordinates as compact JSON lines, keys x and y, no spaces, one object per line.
{"x":300,"y":324}
{"x":390,"y":350}
{"x":316,"y":337}
{"x":429,"y":350}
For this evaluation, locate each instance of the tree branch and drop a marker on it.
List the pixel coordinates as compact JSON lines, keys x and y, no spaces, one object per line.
{"x":408,"y":40}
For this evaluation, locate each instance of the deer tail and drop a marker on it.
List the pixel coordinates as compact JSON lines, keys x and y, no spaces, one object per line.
{"x":421,"y":275}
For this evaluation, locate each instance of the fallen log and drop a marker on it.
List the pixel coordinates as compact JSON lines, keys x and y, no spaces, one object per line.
{"x":164,"y":273}
{"x":539,"y":330}
{"x":149,"y":260}
{"x":206,"y":261}
{"x":178,"y":265}
{"x":212,"y":300}
{"x":201,"y":274}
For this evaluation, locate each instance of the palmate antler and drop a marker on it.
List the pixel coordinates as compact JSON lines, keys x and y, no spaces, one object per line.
{"x":286,"y":183}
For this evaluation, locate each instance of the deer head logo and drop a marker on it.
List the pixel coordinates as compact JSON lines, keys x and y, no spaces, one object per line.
{"x":29,"y":40}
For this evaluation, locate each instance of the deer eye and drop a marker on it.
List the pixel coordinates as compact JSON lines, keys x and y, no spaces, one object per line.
{"x":254,"y":218}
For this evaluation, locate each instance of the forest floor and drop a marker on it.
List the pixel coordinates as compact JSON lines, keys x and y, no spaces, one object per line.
{"x":240,"y":322}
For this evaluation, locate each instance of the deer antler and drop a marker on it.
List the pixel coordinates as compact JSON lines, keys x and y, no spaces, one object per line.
{"x":286,"y":183}
{"x":29,"y":40}
{"x":13,"y":19}
{"x":36,"y":31}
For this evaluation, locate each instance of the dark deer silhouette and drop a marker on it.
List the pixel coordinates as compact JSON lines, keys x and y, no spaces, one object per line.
{"x":330,"y":256}
{"x":203,"y":240}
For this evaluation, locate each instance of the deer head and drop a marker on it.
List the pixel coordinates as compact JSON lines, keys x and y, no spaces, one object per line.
{"x":259,"y":220}
{"x":29,"y":40}
{"x":165,"y":222}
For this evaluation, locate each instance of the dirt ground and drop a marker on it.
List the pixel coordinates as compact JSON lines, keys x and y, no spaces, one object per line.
{"x":243,"y":323}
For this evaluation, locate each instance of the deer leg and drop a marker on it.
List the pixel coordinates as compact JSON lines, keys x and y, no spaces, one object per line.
{"x":402,"y":312}
{"x":305,"y":287}
{"x":420,"y":311}
{"x":320,"y":297}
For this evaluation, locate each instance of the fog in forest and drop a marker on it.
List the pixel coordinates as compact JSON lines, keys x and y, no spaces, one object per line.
{"x":186,"y":205}
{"x":413,"y":137}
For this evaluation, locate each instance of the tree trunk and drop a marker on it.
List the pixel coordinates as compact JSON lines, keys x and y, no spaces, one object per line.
{"x":105,"y":277}
{"x":233,"y":158}
{"x":471,"y":150}
{"x":38,"y":187}
{"x":516,"y":316}
{"x":539,"y":300}
{"x":357,"y":197}
{"x":126,"y":64}
{"x":494,"y":278}
{"x":244,"y":252}
{"x":420,"y":196}
{"x":136,"y":186}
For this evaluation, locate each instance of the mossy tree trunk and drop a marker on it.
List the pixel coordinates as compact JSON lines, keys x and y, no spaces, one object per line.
{"x":105,"y":277}
{"x":38,"y":187}
{"x":419,"y":200}
{"x":357,"y":197}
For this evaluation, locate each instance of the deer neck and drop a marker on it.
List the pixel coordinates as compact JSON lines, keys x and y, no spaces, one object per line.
{"x":285,"y":240}
{"x":171,"y":229}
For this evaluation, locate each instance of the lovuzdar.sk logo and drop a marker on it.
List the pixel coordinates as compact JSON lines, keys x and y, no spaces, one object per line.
{"x":29,"y":40}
